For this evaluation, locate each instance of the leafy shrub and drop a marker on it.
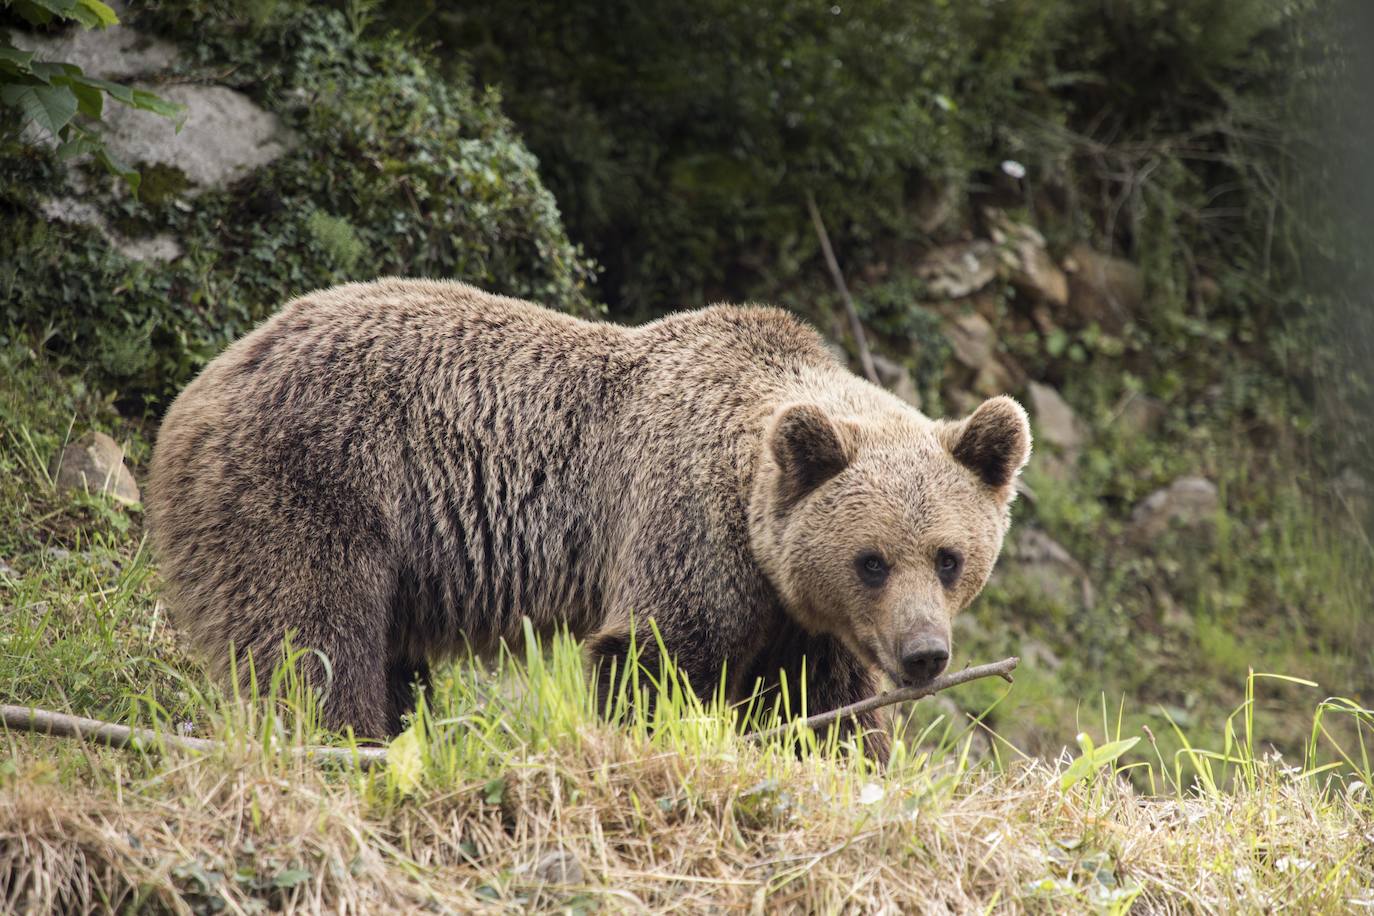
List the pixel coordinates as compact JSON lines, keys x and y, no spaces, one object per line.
{"x":682,"y":138}
{"x":393,"y":171}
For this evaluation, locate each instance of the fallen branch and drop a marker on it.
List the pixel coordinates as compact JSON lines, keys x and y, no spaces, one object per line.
{"x":1002,"y":669}
{"x":856,"y":326}
{"x":61,"y":725}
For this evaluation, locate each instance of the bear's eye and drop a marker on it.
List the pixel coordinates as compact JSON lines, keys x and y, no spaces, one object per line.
{"x":872,"y":568}
{"x":948,"y":564}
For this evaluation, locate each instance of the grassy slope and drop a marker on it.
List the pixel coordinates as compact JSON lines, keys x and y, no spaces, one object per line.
{"x":510,"y":767}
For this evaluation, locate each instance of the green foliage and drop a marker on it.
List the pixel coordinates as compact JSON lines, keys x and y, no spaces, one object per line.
{"x":682,"y":138}
{"x":392,"y":171}
{"x":51,"y":95}
{"x":337,"y":237}
{"x":894,"y":310}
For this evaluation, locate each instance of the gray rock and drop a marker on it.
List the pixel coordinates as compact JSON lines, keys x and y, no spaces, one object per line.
{"x":1102,"y":288}
{"x":959,"y":270}
{"x":1189,"y":503}
{"x":1036,"y":561}
{"x":897,"y":379}
{"x":118,"y":53}
{"x":225,"y":136}
{"x":161,"y":247}
{"x":1032,"y":270}
{"x":936,"y":204}
{"x":1140,"y":415}
{"x":558,"y":867}
{"x":95,"y":464}
{"x":972,"y":339}
{"x":1055,"y":421}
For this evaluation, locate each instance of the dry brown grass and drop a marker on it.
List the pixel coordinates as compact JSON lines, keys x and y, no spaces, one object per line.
{"x":95,"y":830}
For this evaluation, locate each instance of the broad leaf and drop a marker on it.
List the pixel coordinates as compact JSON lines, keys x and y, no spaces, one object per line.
{"x":104,"y":16}
{"x":12,"y":59}
{"x":50,"y":107}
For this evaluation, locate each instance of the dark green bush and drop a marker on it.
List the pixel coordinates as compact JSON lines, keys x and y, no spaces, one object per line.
{"x":682,"y":138}
{"x":394,"y":171}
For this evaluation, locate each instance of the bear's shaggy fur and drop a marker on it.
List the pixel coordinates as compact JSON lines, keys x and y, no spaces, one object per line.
{"x":392,"y":471}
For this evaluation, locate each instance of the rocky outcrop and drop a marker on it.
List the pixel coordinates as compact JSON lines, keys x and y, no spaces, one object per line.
{"x":1055,"y":421}
{"x":958,"y":270}
{"x":1034,"y":561}
{"x":1189,"y":505}
{"x":224,"y":137}
{"x":1103,"y":289}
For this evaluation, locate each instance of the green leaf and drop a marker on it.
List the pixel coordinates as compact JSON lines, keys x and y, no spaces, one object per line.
{"x":405,"y":762}
{"x":116,"y":166}
{"x":50,"y":107}
{"x":53,"y":72}
{"x":90,"y":100}
{"x":290,"y":877}
{"x":103,"y":14}
{"x":495,"y":791}
{"x":12,"y":59}
{"x":1093,"y":759}
{"x":139,"y":98}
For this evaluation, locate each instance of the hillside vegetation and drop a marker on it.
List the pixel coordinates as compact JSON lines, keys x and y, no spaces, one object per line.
{"x":1121,"y":213}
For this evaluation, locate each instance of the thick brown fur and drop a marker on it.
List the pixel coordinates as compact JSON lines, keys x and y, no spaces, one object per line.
{"x":392,"y":471}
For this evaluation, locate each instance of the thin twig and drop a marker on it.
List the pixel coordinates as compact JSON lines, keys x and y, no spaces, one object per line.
{"x":61,"y":725}
{"x":1002,"y":669}
{"x":861,"y":341}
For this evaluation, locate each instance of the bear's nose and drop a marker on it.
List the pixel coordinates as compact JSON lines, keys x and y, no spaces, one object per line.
{"x":923,"y":659}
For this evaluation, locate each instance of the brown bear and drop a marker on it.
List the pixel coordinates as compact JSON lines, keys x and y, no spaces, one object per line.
{"x":396,"y":470}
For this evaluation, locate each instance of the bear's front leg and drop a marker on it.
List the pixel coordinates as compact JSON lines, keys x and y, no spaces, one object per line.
{"x":834,"y":677}
{"x":695,"y":656}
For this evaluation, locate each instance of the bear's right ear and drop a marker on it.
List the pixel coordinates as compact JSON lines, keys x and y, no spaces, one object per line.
{"x":809,"y":449}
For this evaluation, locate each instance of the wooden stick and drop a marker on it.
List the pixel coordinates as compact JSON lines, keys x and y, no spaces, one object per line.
{"x":861,"y":341}
{"x":61,"y":725}
{"x":1002,"y":669}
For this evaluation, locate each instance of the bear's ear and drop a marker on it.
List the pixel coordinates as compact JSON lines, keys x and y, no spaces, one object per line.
{"x":809,"y":449}
{"x":994,"y":441}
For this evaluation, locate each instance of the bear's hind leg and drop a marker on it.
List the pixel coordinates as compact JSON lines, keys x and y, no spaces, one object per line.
{"x":319,"y":608}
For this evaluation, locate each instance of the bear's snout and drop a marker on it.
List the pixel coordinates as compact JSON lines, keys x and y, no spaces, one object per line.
{"x":923,"y":658}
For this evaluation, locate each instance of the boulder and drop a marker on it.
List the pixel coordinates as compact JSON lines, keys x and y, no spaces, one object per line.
{"x":972,"y":339}
{"x":1140,"y":415}
{"x":95,"y":464}
{"x":1036,"y":561}
{"x":897,"y":378}
{"x":117,"y":53}
{"x":1102,"y":288}
{"x":1031,"y":269}
{"x":1188,"y":504}
{"x":1055,"y":421}
{"x":160,"y":247}
{"x":225,"y":136}
{"x":937,"y":203}
{"x":958,"y":270}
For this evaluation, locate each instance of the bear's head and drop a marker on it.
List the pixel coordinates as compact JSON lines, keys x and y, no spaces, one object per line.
{"x":879,"y":527}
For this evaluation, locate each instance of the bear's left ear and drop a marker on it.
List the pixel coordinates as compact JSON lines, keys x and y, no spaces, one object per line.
{"x":994,"y":441}
{"x":809,"y":449}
